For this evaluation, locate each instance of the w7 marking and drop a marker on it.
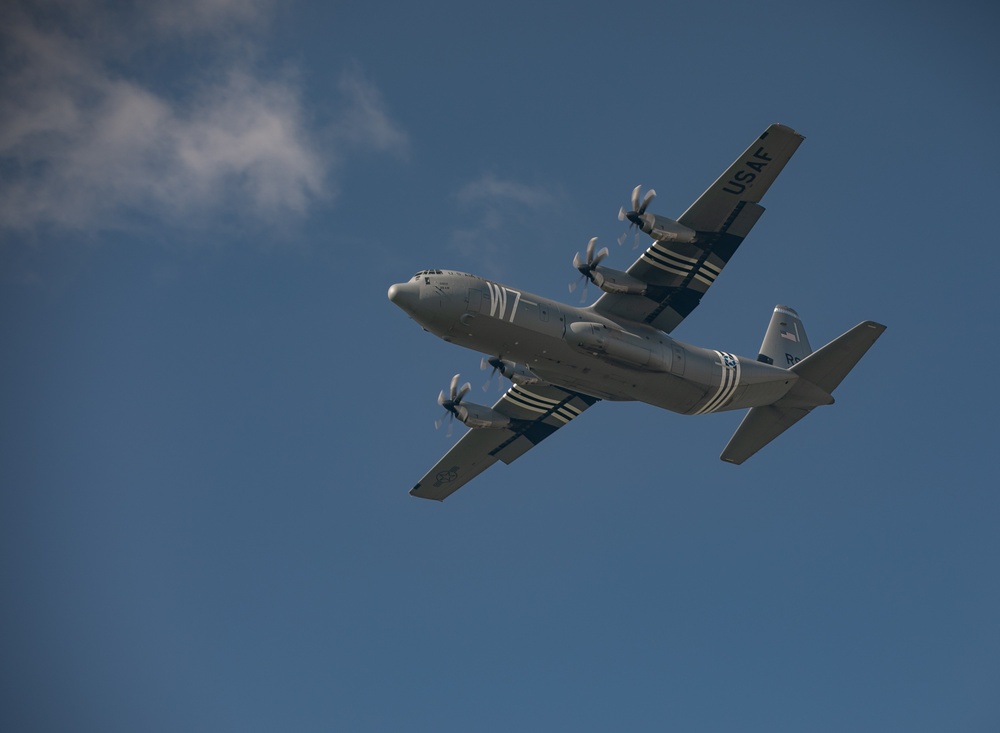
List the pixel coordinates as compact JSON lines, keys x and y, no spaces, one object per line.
{"x":498,"y":301}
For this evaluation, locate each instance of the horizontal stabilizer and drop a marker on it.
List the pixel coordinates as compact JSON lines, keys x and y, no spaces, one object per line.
{"x":827,"y":367}
{"x":760,"y":426}
{"x":818,"y":375}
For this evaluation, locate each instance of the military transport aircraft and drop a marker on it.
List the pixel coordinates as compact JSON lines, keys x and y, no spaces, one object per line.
{"x":562,"y":359}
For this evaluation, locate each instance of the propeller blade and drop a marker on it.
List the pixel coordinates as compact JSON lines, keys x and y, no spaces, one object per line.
{"x":483,"y":366}
{"x":600,"y":256}
{"x":650,"y":195}
{"x":635,"y":197}
{"x":621,"y":214}
{"x":497,"y":363}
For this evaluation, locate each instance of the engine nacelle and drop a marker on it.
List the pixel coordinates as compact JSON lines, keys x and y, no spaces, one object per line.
{"x":666,"y":230}
{"x":616,"y":281}
{"x":520,"y":374}
{"x":620,"y":346}
{"x":480,"y":416}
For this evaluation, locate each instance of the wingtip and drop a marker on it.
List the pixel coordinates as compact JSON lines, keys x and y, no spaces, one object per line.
{"x":792,"y":130}
{"x":414,"y":494}
{"x":784,"y":128}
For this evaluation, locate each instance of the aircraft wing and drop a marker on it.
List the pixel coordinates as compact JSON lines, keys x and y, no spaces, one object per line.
{"x":679,"y":274}
{"x":536,"y":412}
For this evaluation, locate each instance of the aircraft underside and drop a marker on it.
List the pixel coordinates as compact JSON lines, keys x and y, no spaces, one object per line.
{"x":651,"y":367}
{"x":560,"y":359}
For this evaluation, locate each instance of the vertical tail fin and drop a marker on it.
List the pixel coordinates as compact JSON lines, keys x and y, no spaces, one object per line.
{"x":785,"y":342}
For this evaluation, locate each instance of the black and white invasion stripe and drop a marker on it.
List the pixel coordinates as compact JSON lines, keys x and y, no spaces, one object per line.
{"x":727,"y":386}
{"x":562,"y":410}
{"x":676,"y":264}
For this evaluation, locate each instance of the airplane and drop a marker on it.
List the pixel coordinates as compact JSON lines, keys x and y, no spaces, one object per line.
{"x":562,"y":359}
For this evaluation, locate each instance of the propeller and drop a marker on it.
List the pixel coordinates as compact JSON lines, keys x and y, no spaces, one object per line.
{"x":586,"y":267}
{"x":497,"y":363}
{"x":638,"y":209}
{"x":453,"y":404}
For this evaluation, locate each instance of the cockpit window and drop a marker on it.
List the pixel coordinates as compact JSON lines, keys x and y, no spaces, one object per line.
{"x":425,"y":272}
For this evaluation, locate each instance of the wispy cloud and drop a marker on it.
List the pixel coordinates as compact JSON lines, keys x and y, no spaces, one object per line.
{"x":494,"y":191}
{"x":500,"y":210}
{"x":365,"y":120}
{"x":194,"y":17}
{"x":83,"y":145}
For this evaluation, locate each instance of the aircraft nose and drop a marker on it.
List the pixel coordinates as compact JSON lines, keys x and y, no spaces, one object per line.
{"x":405,"y":295}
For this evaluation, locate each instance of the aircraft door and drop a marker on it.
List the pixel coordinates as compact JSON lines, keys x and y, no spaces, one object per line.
{"x":475,"y":300}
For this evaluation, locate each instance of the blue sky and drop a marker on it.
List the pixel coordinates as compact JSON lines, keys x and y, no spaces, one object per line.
{"x":211,"y":414}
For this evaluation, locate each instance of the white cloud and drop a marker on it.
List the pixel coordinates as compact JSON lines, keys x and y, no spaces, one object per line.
{"x":251,"y":131}
{"x":84,"y":147}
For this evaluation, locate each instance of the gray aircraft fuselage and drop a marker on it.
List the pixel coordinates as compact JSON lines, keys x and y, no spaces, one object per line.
{"x":583,"y":351}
